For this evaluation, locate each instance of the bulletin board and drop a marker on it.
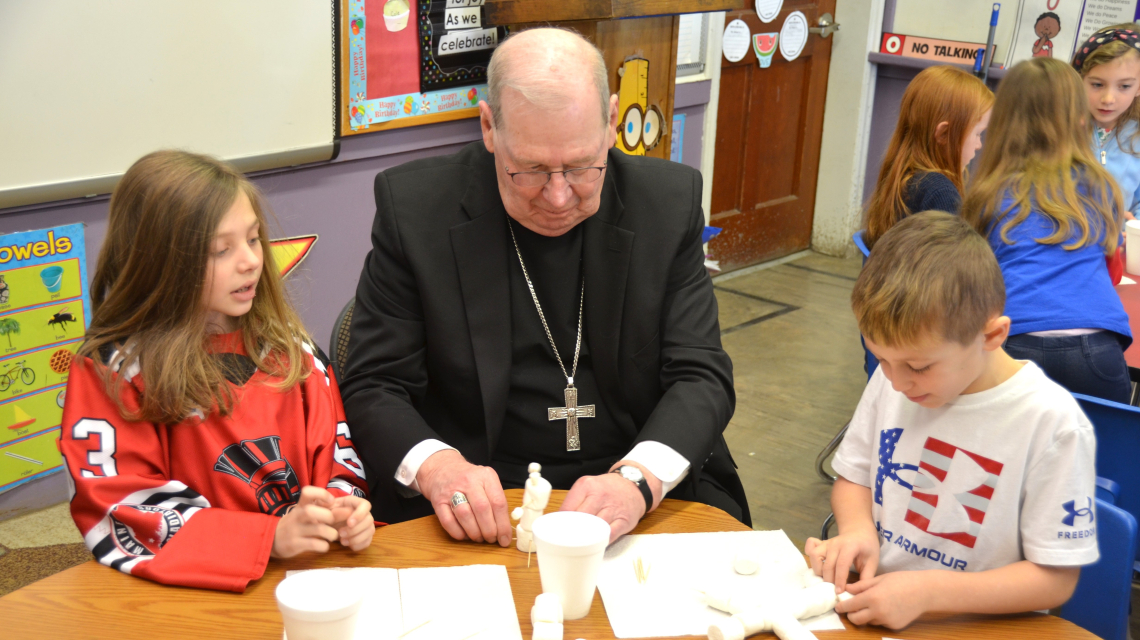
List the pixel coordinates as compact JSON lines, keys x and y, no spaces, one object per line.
{"x":410,"y":62}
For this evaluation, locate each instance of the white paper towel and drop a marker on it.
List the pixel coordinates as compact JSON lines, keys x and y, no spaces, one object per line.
{"x":680,"y":565}
{"x":459,"y":601}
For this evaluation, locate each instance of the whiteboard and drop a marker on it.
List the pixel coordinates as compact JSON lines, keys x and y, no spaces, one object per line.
{"x":86,"y":88}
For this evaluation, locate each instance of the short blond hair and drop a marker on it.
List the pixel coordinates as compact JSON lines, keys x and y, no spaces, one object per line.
{"x":930,"y":275}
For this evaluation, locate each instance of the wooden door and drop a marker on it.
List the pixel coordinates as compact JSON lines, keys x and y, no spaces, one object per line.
{"x":653,"y":39}
{"x":769,"y":125}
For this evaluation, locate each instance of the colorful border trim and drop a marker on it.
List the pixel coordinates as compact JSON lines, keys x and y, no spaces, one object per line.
{"x":362,"y":112}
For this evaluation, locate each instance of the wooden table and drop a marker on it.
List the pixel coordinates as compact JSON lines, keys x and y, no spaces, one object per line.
{"x":93,"y":601}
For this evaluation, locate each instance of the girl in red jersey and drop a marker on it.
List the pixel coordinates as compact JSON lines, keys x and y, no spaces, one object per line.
{"x":202,"y":431}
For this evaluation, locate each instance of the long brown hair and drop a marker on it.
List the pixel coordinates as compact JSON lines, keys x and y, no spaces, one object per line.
{"x":1038,"y":158}
{"x":148,"y":286}
{"x":936,"y":95}
{"x":1104,"y":54}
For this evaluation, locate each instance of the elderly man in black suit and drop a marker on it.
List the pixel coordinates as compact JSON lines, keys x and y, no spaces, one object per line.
{"x":539,"y":297}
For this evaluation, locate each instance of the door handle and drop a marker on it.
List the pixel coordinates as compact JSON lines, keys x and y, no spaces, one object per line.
{"x":826,"y":27}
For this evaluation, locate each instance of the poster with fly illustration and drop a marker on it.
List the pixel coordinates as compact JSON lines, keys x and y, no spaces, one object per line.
{"x":44,"y":310}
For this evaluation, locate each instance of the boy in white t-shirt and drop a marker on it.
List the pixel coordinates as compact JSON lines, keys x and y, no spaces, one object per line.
{"x":966,"y":477}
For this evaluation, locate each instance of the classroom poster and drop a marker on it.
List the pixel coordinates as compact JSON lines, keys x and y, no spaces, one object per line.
{"x":44,"y":309}
{"x":1045,"y":29}
{"x":1099,"y":14}
{"x":384,"y":67}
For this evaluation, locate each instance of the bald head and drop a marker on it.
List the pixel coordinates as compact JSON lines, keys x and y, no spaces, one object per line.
{"x":549,"y":68}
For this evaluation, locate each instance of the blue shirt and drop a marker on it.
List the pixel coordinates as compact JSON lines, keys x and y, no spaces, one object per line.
{"x":1048,"y":288}
{"x":1124,"y":166}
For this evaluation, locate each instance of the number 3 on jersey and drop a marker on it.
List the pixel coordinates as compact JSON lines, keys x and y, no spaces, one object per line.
{"x":100,"y":462}
{"x":344,"y":453}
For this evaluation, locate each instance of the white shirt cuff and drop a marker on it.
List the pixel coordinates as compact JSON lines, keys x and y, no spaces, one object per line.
{"x":662,"y":461}
{"x":410,"y":465}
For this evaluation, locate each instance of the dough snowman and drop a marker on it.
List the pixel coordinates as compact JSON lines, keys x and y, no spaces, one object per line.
{"x":535,"y":497}
{"x":779,"y":615}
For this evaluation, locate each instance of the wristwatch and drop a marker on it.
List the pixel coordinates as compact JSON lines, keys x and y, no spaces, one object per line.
{"x":634,"y":475}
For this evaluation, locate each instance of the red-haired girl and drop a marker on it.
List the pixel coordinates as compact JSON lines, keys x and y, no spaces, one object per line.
{"x":941,"y":120}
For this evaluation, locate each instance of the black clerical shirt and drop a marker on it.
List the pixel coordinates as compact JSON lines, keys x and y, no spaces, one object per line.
{"x":536,"y":381}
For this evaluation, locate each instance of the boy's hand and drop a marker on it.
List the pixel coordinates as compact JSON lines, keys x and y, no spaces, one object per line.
{"x":832,"y":559}
{"x":892,"y":600}
{"x":352,"y":519}
{"x":307,"y":526}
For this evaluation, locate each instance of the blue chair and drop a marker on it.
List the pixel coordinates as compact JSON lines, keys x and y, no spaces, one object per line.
{"x":1117,"y":447}
{"x":1107,"y":490}
{"x":858,"y":238}
{"x":1101,"y":599}
{"x":870,"y":362}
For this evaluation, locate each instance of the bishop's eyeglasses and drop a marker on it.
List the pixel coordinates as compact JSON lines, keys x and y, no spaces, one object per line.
{"x":581,"y":175}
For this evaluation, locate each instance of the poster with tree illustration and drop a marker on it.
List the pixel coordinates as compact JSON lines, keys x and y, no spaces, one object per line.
{"x":44,"y":310}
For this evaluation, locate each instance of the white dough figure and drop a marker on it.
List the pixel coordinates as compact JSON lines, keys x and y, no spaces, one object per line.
{"x":535,"y":497}
{"x":780,"y":616}
{"x":546,"y":617}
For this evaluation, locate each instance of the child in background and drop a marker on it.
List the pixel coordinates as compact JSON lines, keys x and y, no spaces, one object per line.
{"x":1050,"y":212}
{"x":966,"y":477}
{"x":202,"y":430}
{"x":943,"y":114}
{"x":1109,"y":64}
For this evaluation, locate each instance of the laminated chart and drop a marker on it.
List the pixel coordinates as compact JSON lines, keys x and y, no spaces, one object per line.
{"x":44,"y":307}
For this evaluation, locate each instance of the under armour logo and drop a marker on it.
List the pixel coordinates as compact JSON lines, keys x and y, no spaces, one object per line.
{"x":888,"y":468}
{"x":1074,"y":513}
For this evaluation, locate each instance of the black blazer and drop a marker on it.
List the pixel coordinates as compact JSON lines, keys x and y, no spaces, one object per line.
{"x":430,"y":341}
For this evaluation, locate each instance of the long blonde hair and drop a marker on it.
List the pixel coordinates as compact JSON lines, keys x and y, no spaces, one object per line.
{"x":1038,"y":158}
{"x":148,"y":286}
{"x":936,"y":95}
{"x":1105,"y":53}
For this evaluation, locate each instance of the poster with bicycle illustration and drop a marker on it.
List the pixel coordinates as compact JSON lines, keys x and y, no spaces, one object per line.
{"x":44,"y":306}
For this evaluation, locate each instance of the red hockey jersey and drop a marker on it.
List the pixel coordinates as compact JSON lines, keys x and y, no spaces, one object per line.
{"x":197,"y":503}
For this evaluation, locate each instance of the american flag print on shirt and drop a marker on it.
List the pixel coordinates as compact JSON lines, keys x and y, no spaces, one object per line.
{"x":950,"y":474}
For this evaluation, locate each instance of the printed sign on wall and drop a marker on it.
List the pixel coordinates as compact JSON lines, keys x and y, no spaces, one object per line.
{"x":455,"y":43}
{"x":44,"y":310}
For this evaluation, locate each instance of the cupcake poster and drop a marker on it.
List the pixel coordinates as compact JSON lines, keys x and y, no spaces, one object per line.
{"x":385,"y":61}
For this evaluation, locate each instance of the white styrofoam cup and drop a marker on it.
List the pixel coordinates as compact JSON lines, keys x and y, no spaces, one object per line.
{"x":1132,"y":246}
{"x":319,"y":605}
{"x":570,"y":550}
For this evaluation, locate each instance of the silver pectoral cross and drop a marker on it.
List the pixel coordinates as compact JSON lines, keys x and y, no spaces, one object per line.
{"x":570,"y":413}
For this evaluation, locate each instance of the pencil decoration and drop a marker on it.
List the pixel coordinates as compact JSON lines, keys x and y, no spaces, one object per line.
{"x":641,"y":570}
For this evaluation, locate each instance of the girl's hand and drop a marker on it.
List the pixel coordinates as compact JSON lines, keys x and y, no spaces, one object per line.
{"x":353,"y":522}
{"x":832,"y":559}
{"x":307,"y":526}
{"x":892,"y":600}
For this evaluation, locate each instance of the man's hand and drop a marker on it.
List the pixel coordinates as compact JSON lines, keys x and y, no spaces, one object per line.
{"x":352,"y":519}
{"x":307,"y":526}
{"x":613,"y":498}
{"x":832,"y":559}
{"x":892,"y":600}
{"x":484,"y":517}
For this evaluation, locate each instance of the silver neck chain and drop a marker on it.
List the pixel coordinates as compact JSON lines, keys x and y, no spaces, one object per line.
{"x":542,"y":317}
